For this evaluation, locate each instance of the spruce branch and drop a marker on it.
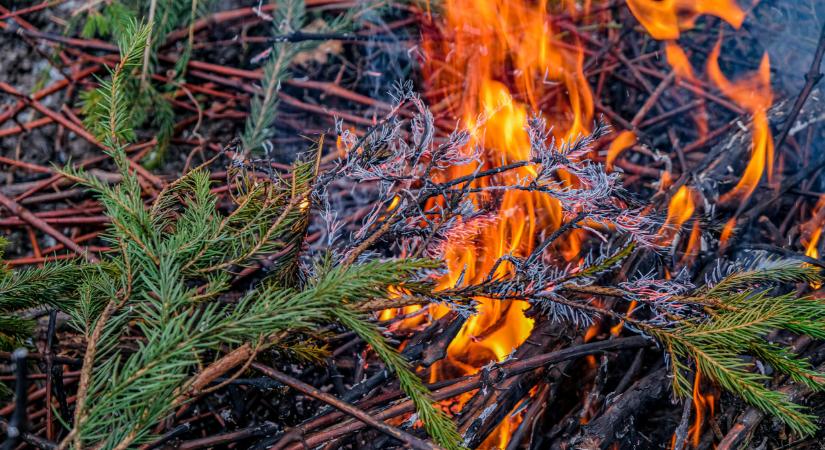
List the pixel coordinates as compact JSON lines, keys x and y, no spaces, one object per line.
{"x":289,"y":17}
{"x":109,"y":109}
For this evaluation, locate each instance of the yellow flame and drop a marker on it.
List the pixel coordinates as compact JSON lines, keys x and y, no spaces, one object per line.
{"x":811,"y":232}
{"x":491,"y":63}
{"x":811,"y":249}
{"x":505,"y":58}
{"x":502,"y":61}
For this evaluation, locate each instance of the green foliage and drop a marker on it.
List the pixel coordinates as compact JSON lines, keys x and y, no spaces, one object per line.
{"x":725,"y":344}
{"x":174,"y":259}
{"x":173,"y":256}
{"x":289,"y":18}
{"x":105,"y":22}
{"x":110,"y":108}
{"x":436,"y":422}
{"x":163,"y":286}
{"x":772,"y":273}
{"x":52,"y":285}
{"x":149,"y":102}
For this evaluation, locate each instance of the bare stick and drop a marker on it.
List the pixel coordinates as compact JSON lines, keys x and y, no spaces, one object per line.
{"x":811,"y":79}
{"x":40,"y":224}
{"x":393,"y":432}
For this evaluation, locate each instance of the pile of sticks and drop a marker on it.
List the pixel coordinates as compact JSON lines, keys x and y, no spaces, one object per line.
{"x":557,"y":390}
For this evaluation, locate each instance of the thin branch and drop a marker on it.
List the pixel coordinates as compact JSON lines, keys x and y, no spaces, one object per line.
{"x":393,"y":432}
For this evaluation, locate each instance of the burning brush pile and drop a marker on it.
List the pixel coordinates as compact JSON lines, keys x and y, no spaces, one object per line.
{"x":460,"y":224}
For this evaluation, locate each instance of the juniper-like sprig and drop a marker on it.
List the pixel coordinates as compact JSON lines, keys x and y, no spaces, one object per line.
{"x":149,"y":100}
{"x":150,"y":288}
{"x":726,"y":343}
{"x":722,"y":332}
{"x":108,"y":111}
{"x":53,"y":285}
{"x":173,"y":259}
{"x":289,"y":18}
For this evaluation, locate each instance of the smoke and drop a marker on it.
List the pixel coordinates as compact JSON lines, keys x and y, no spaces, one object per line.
{"x":788,"y":30}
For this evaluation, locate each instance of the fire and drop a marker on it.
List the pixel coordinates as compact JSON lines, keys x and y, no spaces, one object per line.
{"x":680,"y":63}
{"x":504,"y":61}
{"x":500,"y":437}
{"x":623,"y":141}
{"x":617,"y":329}
{"x":490,"y":64}
{"x":754,"y":94}
{"x":811,"y":232}
{"x":727,"y":233}
{"x":703,"y":405}
{"x":665,"y":19}
{"x":501,"y":62}
{"x":811,"y":249}
{"x":694,"y":242}
{"x":679,"y":211}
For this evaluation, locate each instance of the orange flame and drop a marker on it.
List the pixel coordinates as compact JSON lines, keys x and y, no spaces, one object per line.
{"x":694,"y":241}
{"x":680,"y":63}
{"x":754,"y":94}
{"x":502,"y":59}
{"x":623,"y":141}
{"x":616,"y":329}
{"x":679,"y":211}
{"x":495,"y":44}
{"x":727,"y":233}
{"x":491,"y":63}
{"x":703,"y":404}
{"x":665,"y":19}
{"x":811,"y":232}
{"x":811,"y":249}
